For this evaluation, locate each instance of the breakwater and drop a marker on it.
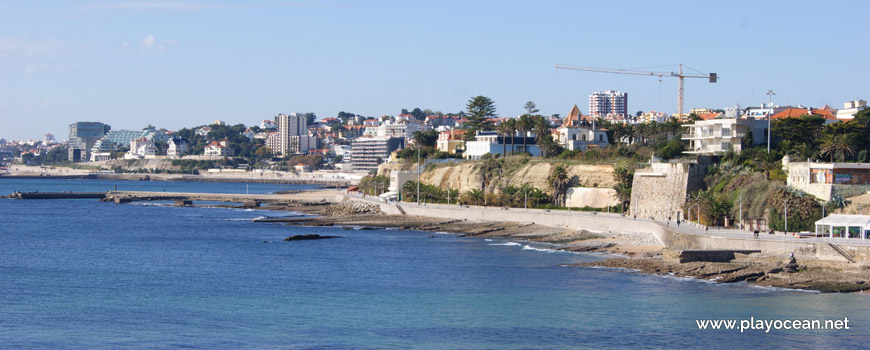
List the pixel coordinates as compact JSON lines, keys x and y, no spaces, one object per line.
{"x":330,"y":183}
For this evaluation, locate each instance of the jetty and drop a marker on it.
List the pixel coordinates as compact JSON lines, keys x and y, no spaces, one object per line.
{"x":180,"y":198}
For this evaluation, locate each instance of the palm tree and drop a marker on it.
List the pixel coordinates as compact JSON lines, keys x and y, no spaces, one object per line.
{"x":837,"y":144}
{"x":473,"y":196}
{"x":767,"y":162}
{"x":558,"y":180}
{"x":503,"y":129}
{"x":623,"y":194}
{"x":524,"y":124}
{"x":511,"y":125}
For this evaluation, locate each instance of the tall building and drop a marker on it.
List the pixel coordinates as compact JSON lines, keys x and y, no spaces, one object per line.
{"x":292,"y":135}
{"x":368,"y":152}
{"x":608,"y":103}
{"x":83,"y":136}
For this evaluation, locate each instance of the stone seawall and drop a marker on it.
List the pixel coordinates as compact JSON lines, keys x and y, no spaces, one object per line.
{"x":612,"y":223}
{"x":801,"y":249}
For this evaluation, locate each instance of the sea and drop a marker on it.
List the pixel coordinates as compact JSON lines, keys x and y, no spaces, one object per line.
{"x":82,"y":274}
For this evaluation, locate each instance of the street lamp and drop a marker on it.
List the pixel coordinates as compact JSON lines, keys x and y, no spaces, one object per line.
{"x":418,"y":174}
{"x":740,"y":224}
{"x":770,"y":94}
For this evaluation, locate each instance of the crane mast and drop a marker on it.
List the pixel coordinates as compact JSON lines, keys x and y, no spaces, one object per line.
{"x":712,"y":78}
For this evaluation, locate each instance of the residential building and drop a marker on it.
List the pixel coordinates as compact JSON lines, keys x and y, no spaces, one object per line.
{"x":798,"y":112}
{"x":491,"y":142}
{"x":608,"y":103}
{"x":83,"y":136}
{"x":368,"y":152}
{"x":581,"y":137}
{"x":142,"y":147}
{"x":292,"y":135}
{"x":177,"y":147}
{"x":450,"y":141}
{"x":219,"y":148}
{"x":100,"y":156}
{"x":850,"y":108}
{"x":826,"y":179}
{"x":399,"y":129}
{"x":268,"y":124}
{"x":717,"y":136}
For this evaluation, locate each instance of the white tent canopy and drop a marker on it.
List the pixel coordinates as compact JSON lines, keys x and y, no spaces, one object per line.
{"x":845,"y":226}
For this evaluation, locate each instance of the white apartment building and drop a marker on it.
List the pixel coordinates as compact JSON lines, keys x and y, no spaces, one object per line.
{"x":368,"y":152}
{"x":608,"y":103}
{"x":849,"y":110}
{"x":177,"y":147}
{"x":717,"y":136}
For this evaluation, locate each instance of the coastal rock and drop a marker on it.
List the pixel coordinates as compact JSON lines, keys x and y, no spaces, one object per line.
{"x":307,"y":237}
{"x":351,"y":208}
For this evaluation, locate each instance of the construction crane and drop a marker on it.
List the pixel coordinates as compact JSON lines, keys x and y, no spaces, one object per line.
{"x":712,"y":77}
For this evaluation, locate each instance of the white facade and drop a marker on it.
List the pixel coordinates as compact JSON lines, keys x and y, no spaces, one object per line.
{"x":850,"y":108}
{"x":580,"y":138}
{"x":218,"y":149}
{"x":608,"y":103}
{"x":717,"y":136}
{"x":100,"y":156}
{"x":177,"y":147}
{"x":490,"y":142}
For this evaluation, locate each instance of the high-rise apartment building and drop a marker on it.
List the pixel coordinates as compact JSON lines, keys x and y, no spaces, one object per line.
{"x":83,"y":136}
{"x":608,"y":103}
{"x":292,"y":135}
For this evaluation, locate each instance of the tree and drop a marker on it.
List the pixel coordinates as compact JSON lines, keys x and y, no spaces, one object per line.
{"x":531,"y":108}
{"x":504,"y":129}
{"x":511,"y":126}
{"x":558,"y":181}
{"x":428,"y":138}
{"x":480,"y":108}
{"x":837,"y":144}
{"x":767,"y":162}
{"x":524,"y":124}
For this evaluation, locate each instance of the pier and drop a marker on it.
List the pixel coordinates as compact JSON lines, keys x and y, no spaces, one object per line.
{"x":183,"y":198}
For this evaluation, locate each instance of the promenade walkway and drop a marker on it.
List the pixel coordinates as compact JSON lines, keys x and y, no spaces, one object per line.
{"x":685,"y":227}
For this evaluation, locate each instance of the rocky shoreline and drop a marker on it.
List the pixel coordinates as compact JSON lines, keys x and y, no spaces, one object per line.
{"x":633,"y":252}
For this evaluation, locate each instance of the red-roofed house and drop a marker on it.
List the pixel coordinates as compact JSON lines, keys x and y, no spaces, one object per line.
{"x":797,"y":112}
{"x":218,"y":148}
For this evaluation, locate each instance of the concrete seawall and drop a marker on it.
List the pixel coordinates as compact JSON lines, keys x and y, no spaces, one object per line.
{"x":667,"y":236}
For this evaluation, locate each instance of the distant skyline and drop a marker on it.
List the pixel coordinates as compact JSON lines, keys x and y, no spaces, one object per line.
{"x":178,"y":64}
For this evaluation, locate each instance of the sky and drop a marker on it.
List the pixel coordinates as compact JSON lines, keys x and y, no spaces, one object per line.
{"x":184,"y":63}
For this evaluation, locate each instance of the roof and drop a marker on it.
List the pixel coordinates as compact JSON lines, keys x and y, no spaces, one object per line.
{"x":797,"y":112}
{"x":708,"y":116}
{"x":845,"y":220}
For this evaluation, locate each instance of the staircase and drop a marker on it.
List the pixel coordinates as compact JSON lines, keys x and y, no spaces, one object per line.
{"x":401,"y":210}
{"x":842,"y":252}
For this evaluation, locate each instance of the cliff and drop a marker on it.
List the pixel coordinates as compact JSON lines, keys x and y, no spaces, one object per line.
{"x":466,"y":175}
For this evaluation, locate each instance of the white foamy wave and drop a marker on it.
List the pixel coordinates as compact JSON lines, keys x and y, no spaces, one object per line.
{"x":443,"y":233}
{"x":507,"y":244}
{"x":528,"y":247}
{"x":488,"y":240}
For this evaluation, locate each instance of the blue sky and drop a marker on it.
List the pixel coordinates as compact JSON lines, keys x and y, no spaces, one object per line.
{"x":186,"y":63}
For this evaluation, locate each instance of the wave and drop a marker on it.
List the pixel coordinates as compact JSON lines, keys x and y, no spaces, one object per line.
{"x":613,"y":268}
{"x":528,"y":247}
{"x":507,"y":244}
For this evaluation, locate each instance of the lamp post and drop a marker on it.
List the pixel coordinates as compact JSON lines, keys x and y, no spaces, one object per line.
{"x":740,"y":224}
{"x":526,"y":196}
{"x":418,"y":174}
{"x":770,"y":94}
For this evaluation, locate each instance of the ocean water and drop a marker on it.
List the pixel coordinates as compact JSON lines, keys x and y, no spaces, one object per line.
{"x":80,"y":274}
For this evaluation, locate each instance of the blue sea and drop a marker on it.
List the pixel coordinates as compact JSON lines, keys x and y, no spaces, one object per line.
{"x":81,"y":274}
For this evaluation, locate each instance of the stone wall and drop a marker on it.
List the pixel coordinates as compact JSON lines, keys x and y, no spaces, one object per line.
{"x":660,"y":191}
{"x":592,"y":197}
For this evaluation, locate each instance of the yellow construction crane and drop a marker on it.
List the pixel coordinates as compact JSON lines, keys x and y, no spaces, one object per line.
{"x":679,"y":74}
